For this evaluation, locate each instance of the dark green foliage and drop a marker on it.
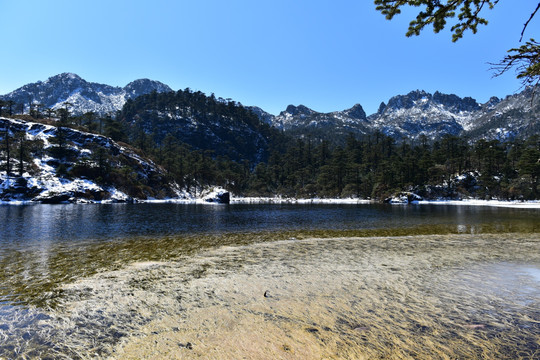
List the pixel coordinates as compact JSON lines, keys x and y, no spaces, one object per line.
{"x":377,"y":167}
{"x":61,"y":149}
{"x":204,"y":123}
{"x":529,"y":165}
{"x":114,"y":129}
{"x":16,"y":151}
{"x":436,"y":13}
{"x":23,"y":153}
{"x":526,"y":60}
{"x":7,"y":150}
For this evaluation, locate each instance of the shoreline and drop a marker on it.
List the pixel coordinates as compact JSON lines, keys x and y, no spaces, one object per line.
{"x":531,"y":204}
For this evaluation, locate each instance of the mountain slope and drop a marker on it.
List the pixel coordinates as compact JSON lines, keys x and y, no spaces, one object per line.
{"x":82,"y":95}
{"x":421,"y":113}
{"x":204,"y":123}
{"x":515,"y":116}
{"x":402,"y":117}
{"x":65,"y":165}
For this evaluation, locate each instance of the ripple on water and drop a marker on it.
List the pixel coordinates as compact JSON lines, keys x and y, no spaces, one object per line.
{"x":411,"y":296}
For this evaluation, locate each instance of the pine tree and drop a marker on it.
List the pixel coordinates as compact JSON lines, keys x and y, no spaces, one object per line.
{"x":21,"y":139}
{"x":7,"y":134}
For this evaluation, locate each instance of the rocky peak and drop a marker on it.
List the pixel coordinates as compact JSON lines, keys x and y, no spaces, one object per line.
{"x":456,"y":103}
{"x":491,"y":104}
{"x":83,"y":95}
{"x":66,"y":77}
{"x":424,"y":100}
{"x":262,"y":115}
{"x":493,"y":101}
{"x":382,"y":106}
{"x":409,"y":100}
{"x":145,"y":86}
{"x":298,"y":110}
{"x":356,"y":112}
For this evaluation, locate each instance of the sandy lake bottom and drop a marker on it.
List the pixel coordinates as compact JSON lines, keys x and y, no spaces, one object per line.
{"x":406,"y":297}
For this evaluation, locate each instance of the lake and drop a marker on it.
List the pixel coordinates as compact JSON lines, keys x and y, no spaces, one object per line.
{"x":25,"y":225}
{"x":127,"y":280}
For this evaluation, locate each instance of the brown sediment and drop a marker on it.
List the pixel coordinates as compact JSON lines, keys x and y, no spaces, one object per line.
{"x":435,"y":296}
{"x":32,"y":276}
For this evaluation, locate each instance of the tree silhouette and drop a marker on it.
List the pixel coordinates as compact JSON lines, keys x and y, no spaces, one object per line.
{"x":525,"y":59}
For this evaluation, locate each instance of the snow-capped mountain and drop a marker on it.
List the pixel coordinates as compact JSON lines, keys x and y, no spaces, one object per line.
{"x":420,"y":113}
{"x":265,"y":117}
{"x":403,"y":116}
{"x":83,"y":96}
{"x":417,"y":113}
{"x":303,"y":121}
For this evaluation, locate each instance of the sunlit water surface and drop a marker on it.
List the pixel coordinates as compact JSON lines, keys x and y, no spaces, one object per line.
{"x":136,"y":280}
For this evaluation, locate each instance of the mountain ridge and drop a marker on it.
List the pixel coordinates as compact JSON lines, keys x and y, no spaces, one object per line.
{"x":419,"y":113}
{"x":408,"y":116}
{"x":83,"y":96}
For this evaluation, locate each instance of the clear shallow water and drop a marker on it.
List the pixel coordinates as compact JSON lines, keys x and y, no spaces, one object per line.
{"x":44,"y":245}
{"x":422,"y":297}
{"x":45,"y":248}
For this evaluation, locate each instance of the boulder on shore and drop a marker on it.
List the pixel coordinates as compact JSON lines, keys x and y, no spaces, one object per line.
{"x":403,"y":198}
{"x":218,"y":195}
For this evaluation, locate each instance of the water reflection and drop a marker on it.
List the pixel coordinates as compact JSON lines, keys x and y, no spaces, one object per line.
{"x":533,"y":272}
{"x":74,"y":222}
{"x":42,"y":246}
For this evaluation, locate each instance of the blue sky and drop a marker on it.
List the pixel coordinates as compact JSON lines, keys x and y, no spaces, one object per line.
{"x":327,"y":55}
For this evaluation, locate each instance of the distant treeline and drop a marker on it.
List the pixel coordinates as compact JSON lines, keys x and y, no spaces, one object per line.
{"x":377,"y":167}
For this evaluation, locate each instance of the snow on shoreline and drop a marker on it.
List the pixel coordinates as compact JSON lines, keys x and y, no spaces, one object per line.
{"x":467,"y":202}
{"x":533,"y":204}
{"x":278,"y":200}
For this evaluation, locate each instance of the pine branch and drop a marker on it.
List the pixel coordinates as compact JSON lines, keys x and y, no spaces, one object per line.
{"x":528,"y":21}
